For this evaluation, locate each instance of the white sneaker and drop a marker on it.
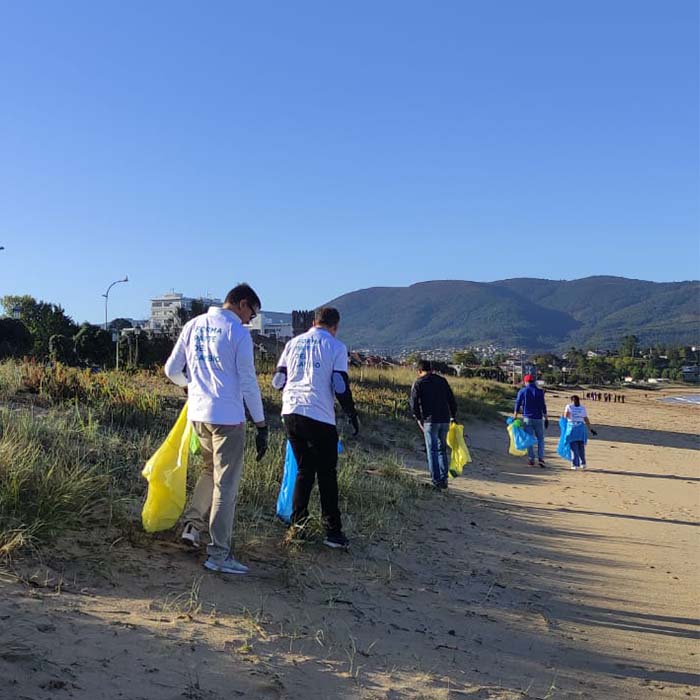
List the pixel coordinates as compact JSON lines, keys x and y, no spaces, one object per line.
{"x":190,"y":534}
{"x":573,"y":466}
{"x":227,"y":566}
{"x":583,"y":465}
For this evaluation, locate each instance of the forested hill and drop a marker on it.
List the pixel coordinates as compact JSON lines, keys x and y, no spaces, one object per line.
{"x":535,"y":314}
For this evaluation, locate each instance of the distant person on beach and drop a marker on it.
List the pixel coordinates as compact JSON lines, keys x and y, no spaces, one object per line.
{"x":213,"y":358}
{"x":312,"y":371}
{"x":530,"y":402}
{"x":577,"y":416}
{"x":434,"y":406}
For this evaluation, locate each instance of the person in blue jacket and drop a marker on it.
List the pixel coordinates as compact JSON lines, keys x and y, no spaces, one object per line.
{"x":530,"y":402}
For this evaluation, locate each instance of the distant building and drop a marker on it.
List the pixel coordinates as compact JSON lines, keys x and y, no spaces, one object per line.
{"x":691,"y":374}
{"x":123,"y":323}
{"x":272,"y":324}
{"x":164,"y":309}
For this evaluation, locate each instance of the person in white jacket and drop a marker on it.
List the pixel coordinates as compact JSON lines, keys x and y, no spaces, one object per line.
{"x":311,"y":373}
{"x":213,"y":358}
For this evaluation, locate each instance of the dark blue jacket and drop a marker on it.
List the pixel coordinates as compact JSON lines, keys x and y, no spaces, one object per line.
{"x":530,"y":402}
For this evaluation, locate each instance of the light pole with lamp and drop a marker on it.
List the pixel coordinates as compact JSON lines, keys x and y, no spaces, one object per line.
{"x":106,"y":294}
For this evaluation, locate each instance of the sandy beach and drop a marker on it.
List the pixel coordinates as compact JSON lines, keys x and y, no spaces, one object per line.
{"x":520,"y":582}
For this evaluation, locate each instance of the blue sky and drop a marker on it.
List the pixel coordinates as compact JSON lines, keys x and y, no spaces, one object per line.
{"x":314,"y":148}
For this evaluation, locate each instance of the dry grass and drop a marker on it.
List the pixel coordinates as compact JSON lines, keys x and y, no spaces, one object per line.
{"x":73,"y":443}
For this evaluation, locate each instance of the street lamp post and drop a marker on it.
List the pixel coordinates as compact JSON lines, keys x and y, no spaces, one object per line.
{"x":106,"y":294}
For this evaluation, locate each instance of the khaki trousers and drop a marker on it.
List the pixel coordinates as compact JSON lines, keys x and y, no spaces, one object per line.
{"x":217,"y":487}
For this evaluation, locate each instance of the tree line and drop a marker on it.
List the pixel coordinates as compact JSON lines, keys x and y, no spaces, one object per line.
{"x":578,"y":366}
{"x":44,"y":331}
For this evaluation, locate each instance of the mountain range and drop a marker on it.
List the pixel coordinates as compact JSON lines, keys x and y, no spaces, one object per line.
{"x":533,"y":314}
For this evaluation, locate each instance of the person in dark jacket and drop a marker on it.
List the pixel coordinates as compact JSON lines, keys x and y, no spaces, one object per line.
{"x":433,"y":405}
{"x":530,"y":402}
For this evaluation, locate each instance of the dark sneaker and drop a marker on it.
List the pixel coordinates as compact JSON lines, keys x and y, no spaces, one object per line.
{"x":339,"y":541}
{"x":531,"y":462}
{"x":542,"y":464}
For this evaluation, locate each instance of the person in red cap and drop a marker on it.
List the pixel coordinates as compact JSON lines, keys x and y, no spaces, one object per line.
{"x":530,"y":402}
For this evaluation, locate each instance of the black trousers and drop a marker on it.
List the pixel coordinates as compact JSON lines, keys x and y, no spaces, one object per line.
{"x":315,"y":446}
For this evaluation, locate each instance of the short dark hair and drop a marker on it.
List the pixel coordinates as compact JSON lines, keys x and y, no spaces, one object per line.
{"x":576,"y":400}
{"x":327,"y":316}
{"x":243,"y":291}
{"x":425,"y":366}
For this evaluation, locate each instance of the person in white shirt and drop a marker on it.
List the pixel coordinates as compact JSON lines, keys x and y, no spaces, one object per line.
{"x":213,"y":358}
{"x":577,"y":416}
{"x":312,"y":369}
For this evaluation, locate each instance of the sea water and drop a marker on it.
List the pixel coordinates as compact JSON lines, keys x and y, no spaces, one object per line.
{"x":693,"y":399}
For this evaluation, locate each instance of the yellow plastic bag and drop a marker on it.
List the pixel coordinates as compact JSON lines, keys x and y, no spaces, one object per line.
{"x":460,"y":452}
{"x":166,"y":474}
{"x":512,"y":448}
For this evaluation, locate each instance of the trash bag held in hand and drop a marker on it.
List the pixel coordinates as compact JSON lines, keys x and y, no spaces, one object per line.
{"x":520,"y":439}
{"x":286,"y":495}
{"x":570,"y":432}
{"x":563,"y":448}
{"x":166,"y":474}
{"x":460,"y":452}
{"x":285,"y":498}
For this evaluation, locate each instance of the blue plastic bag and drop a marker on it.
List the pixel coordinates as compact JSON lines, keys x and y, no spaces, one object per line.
{"x":563,"y":448}
{"x":521,"y":439}
{"x":570,"y":432}
{"x":285,"y":498}
{"x":286,"y":494}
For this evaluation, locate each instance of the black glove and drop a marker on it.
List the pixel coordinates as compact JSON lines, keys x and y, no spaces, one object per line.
{"x":261,"y":443}
{"x":594,"y":432}
{"x":355,"y":423}
{"x":546,"y":423}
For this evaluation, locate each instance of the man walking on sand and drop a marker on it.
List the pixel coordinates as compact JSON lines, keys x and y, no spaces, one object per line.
{"x":434,"y":406}
{"x":213,"y":358}
{"x":530,"y":402}
{"x":312,"y":369}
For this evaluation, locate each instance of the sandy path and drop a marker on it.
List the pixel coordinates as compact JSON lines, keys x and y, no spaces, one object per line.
{"x":518,"y":583}
{"x":620,"y":573}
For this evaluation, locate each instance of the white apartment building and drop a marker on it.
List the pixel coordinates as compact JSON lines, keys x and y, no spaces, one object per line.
{"x":272,"y":324}
{"x":164,"y":308}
